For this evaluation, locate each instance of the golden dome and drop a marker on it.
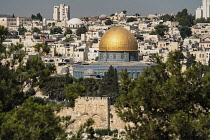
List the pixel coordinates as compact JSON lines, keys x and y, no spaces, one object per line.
{"x":118,"y":39}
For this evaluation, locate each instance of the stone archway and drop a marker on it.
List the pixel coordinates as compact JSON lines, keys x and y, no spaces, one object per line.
{"x":97,"y":120}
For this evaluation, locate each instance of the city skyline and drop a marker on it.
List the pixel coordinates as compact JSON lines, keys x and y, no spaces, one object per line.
{"x":81,"y":8}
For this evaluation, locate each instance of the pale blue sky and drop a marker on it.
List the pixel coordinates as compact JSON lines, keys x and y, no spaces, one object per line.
{"x":83,"y":8}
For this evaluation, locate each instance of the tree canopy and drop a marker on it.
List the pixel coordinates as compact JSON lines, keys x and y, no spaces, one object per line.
{"x":166,"y":103}
{"x":161,"y":29}
{"x":38,"y":16}
{"x":80,"y":31}
{"x":68,"y":31}
{"x":202,"y":20}
{"x":131,"y":19}
{"x":185,"y":32}
{"x":32,"y":120}
{"x":184,"y":18}
{"x":36,"y":30}
{"x":3,"y":33}
{"x":22,"y":30}
{"x":108,"y":22}
{"x":109,"y":86}
{"x":167,"y":17}
{"x":56,"y":30}
{"x":42,"y":48}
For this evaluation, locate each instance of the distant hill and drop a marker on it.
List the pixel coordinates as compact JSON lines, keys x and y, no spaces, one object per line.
{"x":3,"y":15}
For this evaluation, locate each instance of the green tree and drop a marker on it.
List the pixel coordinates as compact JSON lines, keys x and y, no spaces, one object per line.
{"x":37,"y":17}
{"x":15,"y":77}
{"x":167,"y":103}
{"x":91,"y":85}
{"x":200,"y":20}
{"x":86,"y":19}
{"x":38,"y":71}
{"x":125,"y":82}
{"x":3,"y":33}
{"x":36,"y":30}
{"x":54,"y":87}
{"x":108,"y":22}
{"x":124,"y":12}
{"x":22,"y":30}
{"x":109,"y":86}
{"x":96,"y":58}
{"x":190,"y":60}
{"x":73,"y":91}
{"x":42,"y":49}
{"x":112,"y":15}
{"x":184,"y":18}
{"x":81,"y":31}
{"x":56,"y":30}
{"x":185,"y":32}
{"x":49,"y":24}
{"x":137,"y":14}
{"x":32,"y":121}
{"x":167,"y":17}
{"x":131,"y":19}
{"x":161,"y":29}
{"x":53,"y":24}
{"x":68,"y":31}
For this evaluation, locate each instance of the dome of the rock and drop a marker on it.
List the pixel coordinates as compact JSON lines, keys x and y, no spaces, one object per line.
{"x":118,"y":39}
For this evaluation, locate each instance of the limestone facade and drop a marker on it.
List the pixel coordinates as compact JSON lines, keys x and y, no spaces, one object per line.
{"x":97,"y":108}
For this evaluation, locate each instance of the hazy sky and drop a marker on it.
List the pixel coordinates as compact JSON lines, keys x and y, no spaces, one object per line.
{"x":83,"y":8}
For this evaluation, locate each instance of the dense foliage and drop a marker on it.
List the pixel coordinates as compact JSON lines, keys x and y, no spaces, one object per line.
{"x":108,"y":22}
{"x":56,"y":30}
{"x":167,"y":17}
{"x":202,"y":20}
{"x":38,"y":16}
{"x":166,"y":103}
{"x":68,"y":31}
{"x":184,"y":18}
{"x":131,"y":19}
{"x":161,"y":29}
{"x":22,"y":30}
{"x":21,"y":115}
{"x":185,"y":32}
{"x":36,"y":30}
{"x":33,"y":121}
{"x":42,"y":49}
{"x":109,"y":86}
{"x":80,"y":31}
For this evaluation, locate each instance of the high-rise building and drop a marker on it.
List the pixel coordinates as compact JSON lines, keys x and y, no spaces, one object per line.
{"x":61,"y":13}
{"x":203,"y":11}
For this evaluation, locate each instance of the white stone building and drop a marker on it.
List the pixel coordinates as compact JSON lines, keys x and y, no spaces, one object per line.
{"x":204,"y":10}
{"x":61,"y":13}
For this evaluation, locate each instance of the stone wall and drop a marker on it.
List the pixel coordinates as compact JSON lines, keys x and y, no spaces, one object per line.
{"x":97,"y":108}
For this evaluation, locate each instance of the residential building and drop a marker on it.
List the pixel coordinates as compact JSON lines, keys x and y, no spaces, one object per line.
{"x":61,"y":13}
{"x":204,"y":10}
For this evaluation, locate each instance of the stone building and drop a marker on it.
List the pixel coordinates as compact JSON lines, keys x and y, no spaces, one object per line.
{"x":97,"y":108}
{"x":119,"y":48}
{"x":61,"y":13}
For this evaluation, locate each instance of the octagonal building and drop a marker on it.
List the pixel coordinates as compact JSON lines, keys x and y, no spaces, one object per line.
{"x":118,"y":48}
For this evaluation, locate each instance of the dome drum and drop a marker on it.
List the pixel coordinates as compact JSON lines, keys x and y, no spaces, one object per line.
{"x":124,"y":56}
